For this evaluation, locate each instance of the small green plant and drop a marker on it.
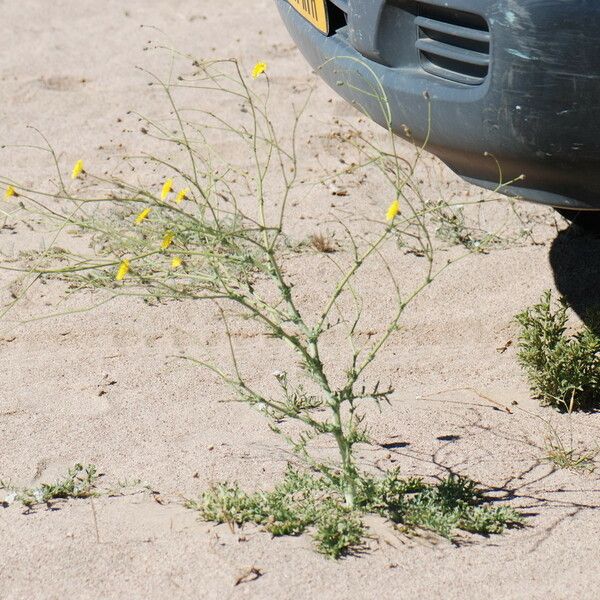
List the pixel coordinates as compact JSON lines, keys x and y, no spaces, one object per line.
{"x":305,"y":501}
{"x":570,"y":458}
{"x":452,"y":227}
{"x":339,"y":529}
{"x":563,"y":370}
{"x":80,"y":482}
{"x":565,"y":456}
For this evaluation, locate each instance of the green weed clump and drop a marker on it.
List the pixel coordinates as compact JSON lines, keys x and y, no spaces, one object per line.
{"x":563,"y":370}
{"x":80,"y":482}
{"x":564,"y":457}
{"x":302,"y":501}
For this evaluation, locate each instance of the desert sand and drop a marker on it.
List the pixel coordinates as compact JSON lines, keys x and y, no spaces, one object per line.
{"x":102,"y":387}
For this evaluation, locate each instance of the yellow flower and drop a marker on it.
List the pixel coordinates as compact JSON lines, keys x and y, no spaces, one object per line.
{"x":143,"y":216}
{"x":259,"y":69}
{"x":167,"y":240}
{"x":77,"y":169}
{"x":123,"y":270}
{"x":10,"y":192}
{"x":176,"y":262}
{"x":393,"y":210}
{"x":166,"y":189}
{"x":182,"y":195}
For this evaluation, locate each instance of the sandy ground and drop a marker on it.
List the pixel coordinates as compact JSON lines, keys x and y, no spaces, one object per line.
{"x":100,"y":386}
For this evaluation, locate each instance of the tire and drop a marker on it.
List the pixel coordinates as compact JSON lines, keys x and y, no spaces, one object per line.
{"x":585,"y":220}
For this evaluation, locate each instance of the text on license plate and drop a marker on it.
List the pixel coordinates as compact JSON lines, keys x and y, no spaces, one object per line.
{"x":313,"y":11}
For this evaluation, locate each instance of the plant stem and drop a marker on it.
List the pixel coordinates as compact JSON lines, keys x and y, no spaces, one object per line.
{"x":345,"y":450}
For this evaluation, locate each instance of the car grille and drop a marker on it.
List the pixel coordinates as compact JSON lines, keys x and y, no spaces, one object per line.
{"x":453,"y":44}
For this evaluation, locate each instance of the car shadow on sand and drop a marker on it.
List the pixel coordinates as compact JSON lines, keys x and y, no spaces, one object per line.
{"x":575,"y":261}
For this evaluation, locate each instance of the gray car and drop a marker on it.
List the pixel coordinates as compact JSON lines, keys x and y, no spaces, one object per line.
{"x":518,"y":79}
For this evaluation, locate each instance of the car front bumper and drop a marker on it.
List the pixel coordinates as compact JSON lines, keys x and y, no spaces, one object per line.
{"x":533,"y":103}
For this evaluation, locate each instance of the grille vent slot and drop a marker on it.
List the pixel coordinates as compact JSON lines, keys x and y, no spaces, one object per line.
{"x":453,"y":44}
{"x":338,"y":14}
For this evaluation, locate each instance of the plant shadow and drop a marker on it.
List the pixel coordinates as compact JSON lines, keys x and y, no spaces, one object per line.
{"x":544,"y":494}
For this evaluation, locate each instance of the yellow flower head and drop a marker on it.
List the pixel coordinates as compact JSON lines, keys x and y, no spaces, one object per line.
{"x":167,"y":188}
{"x":167,"y":240}
{"x":182,"y":195}
{"x":143,"y":216}
{"x":10,"y":192}
{"x":259,"y":69}
{"x":123,"y":270}
{"x":176,"y":262}
{"x":77,"y":169}
{"x":393,"y":210}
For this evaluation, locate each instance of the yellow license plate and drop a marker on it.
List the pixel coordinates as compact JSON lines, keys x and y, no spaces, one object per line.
{"x":313,"y":11}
